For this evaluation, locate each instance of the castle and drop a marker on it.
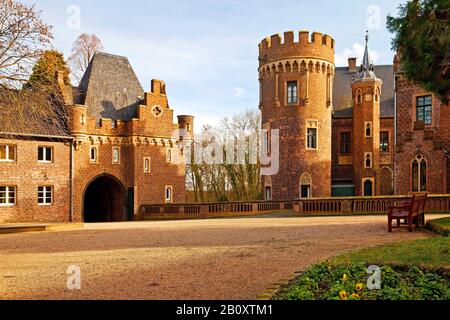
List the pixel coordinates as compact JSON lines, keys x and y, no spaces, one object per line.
{"x":118,"y":152}
{"x":348,"y":131}
{"x":344,"y":131}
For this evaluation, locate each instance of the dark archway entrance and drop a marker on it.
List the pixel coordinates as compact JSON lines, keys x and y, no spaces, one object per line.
{"x":104,"y":200}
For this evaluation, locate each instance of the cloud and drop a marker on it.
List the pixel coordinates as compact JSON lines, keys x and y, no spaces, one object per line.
{"x":238,"y":92}
{"x":341,"y":59}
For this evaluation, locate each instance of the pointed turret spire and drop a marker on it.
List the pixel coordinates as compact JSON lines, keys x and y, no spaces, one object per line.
{"x":366,"y":69}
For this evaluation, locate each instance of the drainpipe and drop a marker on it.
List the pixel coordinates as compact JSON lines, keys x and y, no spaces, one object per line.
{"x":71,"y":218}
{"x":395,"y":132}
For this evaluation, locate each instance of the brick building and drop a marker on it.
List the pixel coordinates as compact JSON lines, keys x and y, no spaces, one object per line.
{"x":119,"y":150}
{"x":348,"y":131}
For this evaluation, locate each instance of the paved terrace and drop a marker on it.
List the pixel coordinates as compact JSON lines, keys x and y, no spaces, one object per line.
{"x":199,"y":259}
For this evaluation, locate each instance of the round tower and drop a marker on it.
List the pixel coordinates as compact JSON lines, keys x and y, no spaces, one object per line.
{"x":296,"y":82}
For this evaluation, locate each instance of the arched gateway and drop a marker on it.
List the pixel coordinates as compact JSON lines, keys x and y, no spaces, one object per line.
{"x":104,"y":200}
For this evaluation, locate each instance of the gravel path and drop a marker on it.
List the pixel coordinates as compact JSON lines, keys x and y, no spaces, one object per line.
{"x":203,"y":259}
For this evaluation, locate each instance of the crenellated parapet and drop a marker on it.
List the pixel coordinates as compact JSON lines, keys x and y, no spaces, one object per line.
{"x":316,"y":48}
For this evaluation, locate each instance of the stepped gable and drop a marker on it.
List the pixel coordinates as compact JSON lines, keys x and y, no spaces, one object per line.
{"x":110,"y":88}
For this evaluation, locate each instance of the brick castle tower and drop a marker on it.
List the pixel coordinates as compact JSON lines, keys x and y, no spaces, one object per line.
{"x":366,"y":93}
{"x":296,"y":81}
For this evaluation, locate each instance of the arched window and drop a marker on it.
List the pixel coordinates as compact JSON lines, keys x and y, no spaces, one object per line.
{"x":368,"y":130}
{"x":419,"y":174}
{"x":305,"y":186}
{"x":359,"y":96}
{"x":377,"y":95}
{"x":368,"y":161}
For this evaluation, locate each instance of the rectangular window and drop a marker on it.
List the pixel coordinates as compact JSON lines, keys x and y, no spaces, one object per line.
{"x":268,"y":193}
{"x":292,"y":92}
{"x":384,"y":141}
{"x":345,"y":143}
{"x":7,"y":153}
{"x":146,"y":165}
{"x":45,"y":195}
{"x":93,"y":154}
{"x":45,"y":154}
{"x":7,"y":196}
{"x":424,"y":110}
{"x":312,"y":138}
{"x":266,"y":143}
{"x":169,"y":156}
{"x":169,"y":194}
{"x":306,"y":191}
{"x":116,"y":155}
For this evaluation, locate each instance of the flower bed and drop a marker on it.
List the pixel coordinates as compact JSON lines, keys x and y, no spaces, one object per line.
{"x":350,"y":282}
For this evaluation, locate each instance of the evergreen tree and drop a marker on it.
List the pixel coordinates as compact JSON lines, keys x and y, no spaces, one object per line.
{"x":45,"y":69}
{"x":421,"y":36}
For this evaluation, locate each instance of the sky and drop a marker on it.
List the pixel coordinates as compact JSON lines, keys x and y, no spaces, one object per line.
{"x":207,"y":50}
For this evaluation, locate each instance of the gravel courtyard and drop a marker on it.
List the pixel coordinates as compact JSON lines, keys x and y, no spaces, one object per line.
{"x":203,"y":259}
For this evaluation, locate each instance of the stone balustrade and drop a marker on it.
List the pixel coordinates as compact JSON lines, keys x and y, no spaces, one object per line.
{"x":313,"y":206}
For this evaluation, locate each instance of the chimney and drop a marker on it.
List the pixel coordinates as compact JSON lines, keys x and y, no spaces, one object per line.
{"x":352,"y":64}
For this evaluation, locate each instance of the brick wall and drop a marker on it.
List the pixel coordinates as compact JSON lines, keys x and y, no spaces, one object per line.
{"x":414,"y":139}
{"x":26,"y":174}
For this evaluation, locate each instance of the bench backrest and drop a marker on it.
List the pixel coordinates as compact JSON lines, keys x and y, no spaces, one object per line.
{"x":422,"y":199}
{"x":415,"y":204}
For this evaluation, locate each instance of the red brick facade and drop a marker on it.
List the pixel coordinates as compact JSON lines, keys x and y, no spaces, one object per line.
{"x":428,"y":140}
{"x":309,"y":65}
{"x":137,"y":174}
{"x":342,"y":154}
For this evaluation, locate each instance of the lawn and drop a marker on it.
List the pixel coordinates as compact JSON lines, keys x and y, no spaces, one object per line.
{"x":441,"y":226}
{"x":415,"y":270}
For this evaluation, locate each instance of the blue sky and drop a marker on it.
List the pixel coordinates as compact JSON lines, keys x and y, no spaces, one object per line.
{"x":207,"y":50}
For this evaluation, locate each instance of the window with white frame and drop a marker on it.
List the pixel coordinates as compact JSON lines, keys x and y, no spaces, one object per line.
{"x":45,"y":195}
{"x":116,"y":155}
{"x":93,"y":154}
{"x":266,"y":142}
{"x":292,"y":92}
{"x":7,"y":153}
{"x":7,"y":196}
{"x":147,"y":165}
{"x":311,"y":134}
{"x":45,"y":154}
{"x":169,"y":194}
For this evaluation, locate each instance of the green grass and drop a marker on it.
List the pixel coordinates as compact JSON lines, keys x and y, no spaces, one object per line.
{"x":432,"y":253}
{"x":413,"y":270}
{"x":440,"y":226}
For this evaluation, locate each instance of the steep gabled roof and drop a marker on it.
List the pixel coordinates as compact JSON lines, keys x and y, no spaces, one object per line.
{"x":342,"y":91}
{"x":110,"y":88}
{"x":32,"y":113}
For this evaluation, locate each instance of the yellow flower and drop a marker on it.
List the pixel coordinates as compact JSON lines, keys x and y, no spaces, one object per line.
{"x":355,"y":296}
{"x":359,"y":287}
{"x":345,"y":277}
{"x":343,"y":295}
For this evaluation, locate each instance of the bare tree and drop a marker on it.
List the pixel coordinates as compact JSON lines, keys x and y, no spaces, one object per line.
{"x":23,"y":37}
{"x":228,"y":181}
{"x":83,"y":50}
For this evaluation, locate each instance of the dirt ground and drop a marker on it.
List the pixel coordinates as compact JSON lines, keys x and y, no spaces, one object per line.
{"x":203,"y":259}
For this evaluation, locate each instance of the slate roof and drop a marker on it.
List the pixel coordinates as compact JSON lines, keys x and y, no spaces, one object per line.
{"x":32,"y":113}
{"x":342,"y":91}
{"x":110,"y":88}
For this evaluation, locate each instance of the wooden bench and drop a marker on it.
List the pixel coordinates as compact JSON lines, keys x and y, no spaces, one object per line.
{"x":409,"y":213}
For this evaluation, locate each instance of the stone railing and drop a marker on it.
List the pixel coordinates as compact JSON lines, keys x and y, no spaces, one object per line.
{"x":351,"y":205}
{"x":333,"y":206}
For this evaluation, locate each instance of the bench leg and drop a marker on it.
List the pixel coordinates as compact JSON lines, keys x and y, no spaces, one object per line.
{"x":389,"y":225}
{"x":410,"y":225}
